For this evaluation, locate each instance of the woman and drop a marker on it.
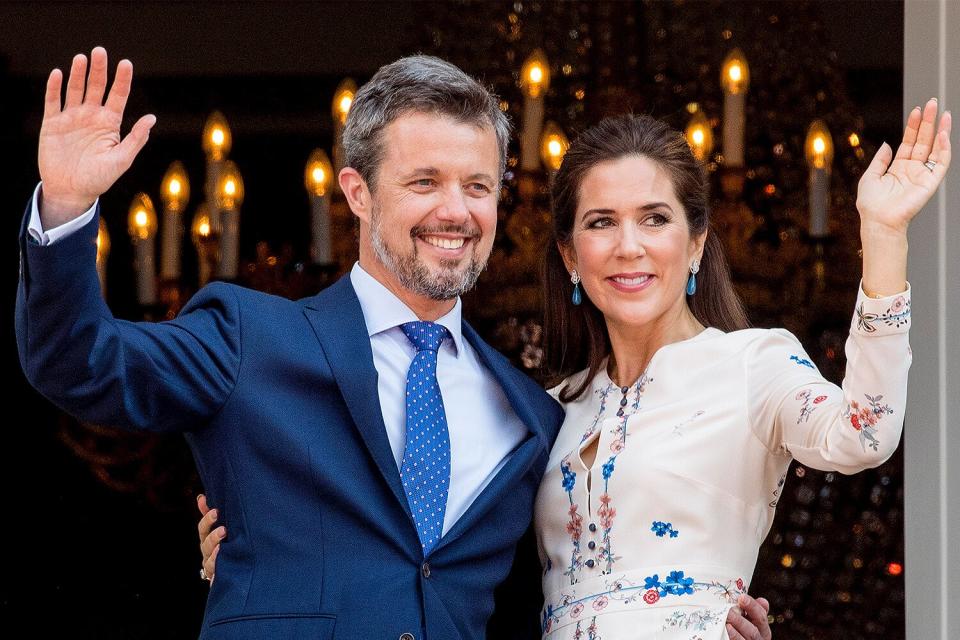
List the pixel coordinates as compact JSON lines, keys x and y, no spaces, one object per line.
{"x":681,"y":422}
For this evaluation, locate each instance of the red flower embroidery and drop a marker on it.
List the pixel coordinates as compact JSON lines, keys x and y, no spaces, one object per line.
{"x":616,"y":446}
{"x":855,"y":421}
{"x":740,"y":584}
{"x":600,"y":603}
{"x":651,"y":596}
{"x":819,"y":399}
{"x":576,"y":611}
{"x":575,"y":525}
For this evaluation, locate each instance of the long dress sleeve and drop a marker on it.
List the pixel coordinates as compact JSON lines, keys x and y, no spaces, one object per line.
{"x":794,"y":410}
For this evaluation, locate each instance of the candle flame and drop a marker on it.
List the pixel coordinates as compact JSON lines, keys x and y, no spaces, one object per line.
{"x":554,"y":147}
{"x":204,"y":229}
{"x":854,"y":140}
{"x":141,"y":218}
{"x":230,"y":187}
{"x":536,"y":74}
{"x":697,"y":136}
{"x":346,"y":102}
{"x":735,"y":72}
{"x":819,"y":145}
{"x":318,"y":175}
{"x":174,"y":187}
{"x":217,"y":137}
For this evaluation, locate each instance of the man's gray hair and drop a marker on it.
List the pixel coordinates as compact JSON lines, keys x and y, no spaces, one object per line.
{"x":423,"y":84}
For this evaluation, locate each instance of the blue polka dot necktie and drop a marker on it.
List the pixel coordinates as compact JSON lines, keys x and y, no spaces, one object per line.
{"x":425,"y":470}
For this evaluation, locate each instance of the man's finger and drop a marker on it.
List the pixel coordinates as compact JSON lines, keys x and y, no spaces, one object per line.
{"x":202,"y":504}
{"x":763,"y":602}
{"x":120,"y":91}
{"x":51,"y":101}
{"x":757,"y":615}
{"x":78,"y":76}
{"x":97,"y":82}
{"x":733,"y":633}
{"x":131,"y":145}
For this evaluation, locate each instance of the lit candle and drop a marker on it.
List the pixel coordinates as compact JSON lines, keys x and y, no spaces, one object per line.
{"x":818,"y":149}
{"x":229,"y":199}
{"x":736,"y":81}
{"x":175,"y":193}
{"x":204,"y":236}
{"x":553,"y":146}
{"x":142,"y":225}
{"x":318,"y":178}
{"x":217,"y":141}
{"x":534,"y":80}
{"x":103,"y":252}
{"x":342,"y":101}
{"x":700,"y":136}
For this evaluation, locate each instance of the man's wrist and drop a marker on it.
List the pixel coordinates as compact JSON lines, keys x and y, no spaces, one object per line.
{"x":55,"y":211}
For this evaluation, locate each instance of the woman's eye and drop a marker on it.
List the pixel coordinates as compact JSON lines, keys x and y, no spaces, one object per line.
{"x":600,"y":223}
{"x":657,"y":220}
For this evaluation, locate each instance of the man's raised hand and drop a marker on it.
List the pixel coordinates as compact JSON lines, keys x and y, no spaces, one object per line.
{"x":81,"y":153}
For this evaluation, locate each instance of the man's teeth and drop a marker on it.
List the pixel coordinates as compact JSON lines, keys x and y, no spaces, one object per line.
{"x":444,"y":243}
{"x":630,"y":282}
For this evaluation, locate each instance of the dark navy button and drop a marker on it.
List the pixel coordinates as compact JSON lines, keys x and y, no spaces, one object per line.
{"x":407,"y":636}
{"x":590,"y":564}
{"x":591,"y":545}
{"x":425,"y":569}
{"x":623,"y":401}
{"x":624,"y":390}
{"x":620,"y":411}
{"x":592,"y":527}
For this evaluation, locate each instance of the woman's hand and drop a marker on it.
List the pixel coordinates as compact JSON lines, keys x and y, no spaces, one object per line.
{"x":210,"y":538}
{"x":894,"y":188}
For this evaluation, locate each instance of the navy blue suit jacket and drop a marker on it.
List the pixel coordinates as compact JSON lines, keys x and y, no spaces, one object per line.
{"x":278,"y":400}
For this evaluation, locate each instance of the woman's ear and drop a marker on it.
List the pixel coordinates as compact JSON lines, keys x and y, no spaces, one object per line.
{"x":698,"y":243}
{"x":568,"y":254}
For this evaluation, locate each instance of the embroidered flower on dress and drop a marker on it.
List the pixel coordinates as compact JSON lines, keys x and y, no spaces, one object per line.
{"x":802,"y":361}
{"x":651,"y":596}
{"x":576,"y":610}
{"x":600,"y":603}
{"x":664,"y":528}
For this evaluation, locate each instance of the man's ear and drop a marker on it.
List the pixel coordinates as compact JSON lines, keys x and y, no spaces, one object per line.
{"x":357,"y":193}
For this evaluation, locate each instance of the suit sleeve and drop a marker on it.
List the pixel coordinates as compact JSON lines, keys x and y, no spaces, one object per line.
{"x":163,"y":376}
{"x":847,"y":429}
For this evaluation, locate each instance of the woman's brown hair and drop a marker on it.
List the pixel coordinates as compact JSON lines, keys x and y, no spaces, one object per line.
{"x":575,"y":337}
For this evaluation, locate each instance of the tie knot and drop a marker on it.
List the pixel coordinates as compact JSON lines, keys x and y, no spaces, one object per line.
{"x":425,"y":336}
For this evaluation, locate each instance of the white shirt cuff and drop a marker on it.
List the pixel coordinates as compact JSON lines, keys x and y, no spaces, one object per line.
{"x":44,"y":238}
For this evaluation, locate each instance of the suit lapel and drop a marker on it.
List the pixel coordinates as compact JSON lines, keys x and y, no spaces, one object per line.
{"x":338,"y":323}
{"x":520,"y":460}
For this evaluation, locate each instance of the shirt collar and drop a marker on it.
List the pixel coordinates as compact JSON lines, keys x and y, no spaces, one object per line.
{"x":382,"y":310}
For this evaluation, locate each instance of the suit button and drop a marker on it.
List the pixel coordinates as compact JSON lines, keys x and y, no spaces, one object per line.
{"x":407,"y":636}
{"x":425,"y":570}
{"x":590,"y":564}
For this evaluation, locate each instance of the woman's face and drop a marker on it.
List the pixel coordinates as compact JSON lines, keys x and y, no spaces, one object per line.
{"x":630,"y":243}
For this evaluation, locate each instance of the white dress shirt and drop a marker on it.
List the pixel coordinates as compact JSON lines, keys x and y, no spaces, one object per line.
{"x":483,"y":427}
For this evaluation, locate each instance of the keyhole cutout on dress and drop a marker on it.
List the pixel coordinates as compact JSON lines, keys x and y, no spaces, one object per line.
{"x":588,"y":456}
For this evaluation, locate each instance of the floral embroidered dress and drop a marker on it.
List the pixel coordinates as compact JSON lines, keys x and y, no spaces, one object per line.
{"x":660,"y":536}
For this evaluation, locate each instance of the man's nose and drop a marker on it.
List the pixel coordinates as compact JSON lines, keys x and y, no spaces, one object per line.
{"x":454,"y":206}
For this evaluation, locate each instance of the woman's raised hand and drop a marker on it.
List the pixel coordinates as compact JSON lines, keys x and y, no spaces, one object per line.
{"x":81,"y":153}
{"x":894,"y":188}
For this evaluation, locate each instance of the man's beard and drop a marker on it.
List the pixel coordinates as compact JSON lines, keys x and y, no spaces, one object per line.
{"x":413,"y":274}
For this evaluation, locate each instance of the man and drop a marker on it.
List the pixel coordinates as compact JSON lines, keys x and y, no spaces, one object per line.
{"x":375,"y":459}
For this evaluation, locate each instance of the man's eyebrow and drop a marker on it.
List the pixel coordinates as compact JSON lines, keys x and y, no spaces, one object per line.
{"x":420,"y":171}
{"x":481,"y":176}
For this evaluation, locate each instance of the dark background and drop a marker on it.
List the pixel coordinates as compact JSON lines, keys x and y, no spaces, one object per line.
{"x":78,"y":557}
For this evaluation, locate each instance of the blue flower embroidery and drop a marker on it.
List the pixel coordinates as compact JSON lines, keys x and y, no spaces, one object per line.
{"x":802,"y":361}
{"x":569,"y":478}
{"x":663,"y":528}
{"x":608,"y":467}
{"x":675,"y":584}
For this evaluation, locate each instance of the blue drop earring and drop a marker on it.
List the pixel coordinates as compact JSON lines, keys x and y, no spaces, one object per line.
{"x":577,"y":298}
{"x":692,"y":280}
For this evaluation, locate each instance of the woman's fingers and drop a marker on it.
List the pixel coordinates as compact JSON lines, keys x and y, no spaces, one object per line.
{"x":120,"y":91}
{"x":210,"y":564}
{"x":51,"y":100}
{"x":97,"y":82}
{"x":78,"y":76}
{"x":209,"y":544}
{"x":881,"y":161}
{"x":941,"y":144}
{"x":924,"y":143}
{"x":910,"y":133}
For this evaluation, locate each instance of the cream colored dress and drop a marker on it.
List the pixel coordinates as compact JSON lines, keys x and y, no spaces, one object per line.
{"x":685,"y":482}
